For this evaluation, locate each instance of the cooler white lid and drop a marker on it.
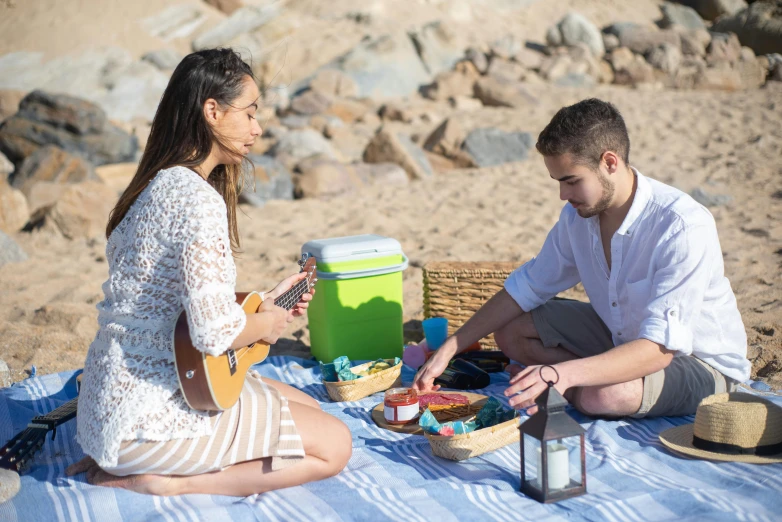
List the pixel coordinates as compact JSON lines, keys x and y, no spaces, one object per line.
{"x":351,"y":248}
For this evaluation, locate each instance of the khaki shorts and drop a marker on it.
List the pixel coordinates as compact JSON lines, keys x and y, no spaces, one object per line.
{"x":675,"y":390}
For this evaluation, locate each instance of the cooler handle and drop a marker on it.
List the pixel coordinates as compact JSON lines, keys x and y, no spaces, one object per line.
{"x":331,"y":276}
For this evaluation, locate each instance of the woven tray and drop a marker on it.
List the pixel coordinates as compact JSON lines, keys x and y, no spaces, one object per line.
{"x":456,"y":289}
{"x":364,"y":387}
{"x":468,"y":445}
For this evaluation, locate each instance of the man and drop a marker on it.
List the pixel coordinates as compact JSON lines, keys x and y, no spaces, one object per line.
{"x":661,"y":331}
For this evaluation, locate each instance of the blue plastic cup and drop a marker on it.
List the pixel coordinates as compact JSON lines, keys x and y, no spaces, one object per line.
{"x":435,"y":331}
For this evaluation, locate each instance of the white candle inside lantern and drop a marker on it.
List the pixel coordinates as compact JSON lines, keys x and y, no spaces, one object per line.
{"x":558,"y":466}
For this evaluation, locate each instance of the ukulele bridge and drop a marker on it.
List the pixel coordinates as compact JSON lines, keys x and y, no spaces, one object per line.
{"x":231,"y":354}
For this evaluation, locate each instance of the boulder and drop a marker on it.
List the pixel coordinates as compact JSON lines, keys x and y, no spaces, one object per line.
{"x":241,"y":21}
{"x":478,"y":59}
{"x":391,"y":147}
{"x":438,"y":46}
{"x":630,"y":68}
{"x":491,"y":146}
{"x":164,"y":59}
{"x":14,"y":211}
{"x":446,"y":139}
{"x":310,"y":102}
{"x":666,"y":58}
{"x":349,"y":111}
{"x":695,"y":42}
{"x":269,"y":179}
{"x":43,"y":175}
{"x":176,"y":21}
{"x":322,"y":177}
{"x":724,"y":47}
{"x":505,"y":47}
{"x":81,"y":211}
{"x":759,"y":26}
{"x":713,"y":9}
{"x":6,"y":167}
{"x":721,"y":77}
{"x":331,"y":82}
{"x":497,"y":92}
{"x":449,"y":84}
{"x":641,"y":40}
{"x":302,"y":144}
{"x":9,"y":102}
{"x":505,"y":70}
{"x":574,"y":28}
{"x":117,"y":175}
{"x":61,"y":111}
{"x":680,"y":15}
{"x":380,"y":174}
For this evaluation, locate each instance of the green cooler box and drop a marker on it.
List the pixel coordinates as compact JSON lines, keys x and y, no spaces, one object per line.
{"x":357,"y":308}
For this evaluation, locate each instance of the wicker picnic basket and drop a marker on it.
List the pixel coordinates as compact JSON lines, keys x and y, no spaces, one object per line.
{"x":357,"y":389}
{"x":468,"y":445}
{"x":456,"y":289}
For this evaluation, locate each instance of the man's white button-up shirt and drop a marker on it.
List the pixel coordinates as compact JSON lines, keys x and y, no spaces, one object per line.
{"x":666,"y":282}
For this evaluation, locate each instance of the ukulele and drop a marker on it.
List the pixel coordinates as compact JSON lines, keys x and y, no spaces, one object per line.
{"x":215,"y":383}
{"x":18,"y":453}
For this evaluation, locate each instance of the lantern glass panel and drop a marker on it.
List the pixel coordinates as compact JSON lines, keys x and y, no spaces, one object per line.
{"x":531,"y":455}
{"x":564,"y":463}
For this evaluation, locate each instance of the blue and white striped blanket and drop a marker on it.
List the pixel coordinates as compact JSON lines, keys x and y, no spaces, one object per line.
{"x":391,"y":476}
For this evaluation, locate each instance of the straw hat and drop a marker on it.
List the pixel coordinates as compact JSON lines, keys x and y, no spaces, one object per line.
{"x":736,"y":427}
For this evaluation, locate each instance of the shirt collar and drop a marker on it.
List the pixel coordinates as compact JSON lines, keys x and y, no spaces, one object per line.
{"x":643,"y":193}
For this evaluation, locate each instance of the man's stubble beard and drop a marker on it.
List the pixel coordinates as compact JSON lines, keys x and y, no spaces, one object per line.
{"x":605,"y":198}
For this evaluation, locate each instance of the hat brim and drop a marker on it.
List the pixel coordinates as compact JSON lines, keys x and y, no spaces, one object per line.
{"x":679,"y":439}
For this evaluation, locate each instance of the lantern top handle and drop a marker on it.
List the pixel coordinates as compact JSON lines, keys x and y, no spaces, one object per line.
{"x":550,"y":383}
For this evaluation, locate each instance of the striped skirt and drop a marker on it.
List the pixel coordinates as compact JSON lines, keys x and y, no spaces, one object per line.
{"x":259,"y":425}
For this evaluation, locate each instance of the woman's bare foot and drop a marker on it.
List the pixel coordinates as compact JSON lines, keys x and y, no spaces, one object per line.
{"x":161,"y":485}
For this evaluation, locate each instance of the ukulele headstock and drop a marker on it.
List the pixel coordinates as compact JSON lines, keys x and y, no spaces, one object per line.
{"x":308,"y":264}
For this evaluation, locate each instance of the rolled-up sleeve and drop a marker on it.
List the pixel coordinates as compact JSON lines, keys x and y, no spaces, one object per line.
{"x":552,"y":271}
{"x":208,"y":273}
{"x":678,"y":286}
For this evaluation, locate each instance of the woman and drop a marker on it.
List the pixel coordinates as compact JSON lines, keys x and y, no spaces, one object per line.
{"x":171,"y":238}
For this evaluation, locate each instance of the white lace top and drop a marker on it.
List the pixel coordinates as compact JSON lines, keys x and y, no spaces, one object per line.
{"x":170,"y":253}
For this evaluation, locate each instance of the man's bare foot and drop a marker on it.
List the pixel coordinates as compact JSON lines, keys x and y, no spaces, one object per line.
{"x":513,"y":369}
{"x":162,"y":485}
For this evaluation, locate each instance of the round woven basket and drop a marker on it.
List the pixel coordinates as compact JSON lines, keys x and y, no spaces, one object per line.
{"x":357,"y":389}
{"x":468,"y":445}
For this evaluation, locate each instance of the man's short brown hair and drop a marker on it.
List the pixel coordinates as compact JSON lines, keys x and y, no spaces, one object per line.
{"x":586,"y":130}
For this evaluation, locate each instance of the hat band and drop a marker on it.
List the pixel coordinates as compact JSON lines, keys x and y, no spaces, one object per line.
{"x":732,"y":449}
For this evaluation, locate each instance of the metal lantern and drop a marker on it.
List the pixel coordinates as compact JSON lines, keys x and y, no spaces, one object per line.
{"x":552,"y":450}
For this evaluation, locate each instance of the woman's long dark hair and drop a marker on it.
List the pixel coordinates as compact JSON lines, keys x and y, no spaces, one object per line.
{"x":180,"y":134}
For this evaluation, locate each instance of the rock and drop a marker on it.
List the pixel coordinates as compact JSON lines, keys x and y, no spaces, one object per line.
{"x":350,"y":144}
{"x":775,"y":67}
{"x":681,"y":15}
{"x":20,"y":138}
{"x":81,"y":211}
{"x":695,"y":42}
{"x":320,"y":177}
{"x":392,"y":111}
{"x":385,"y":66}
{"x":458,"y":82}
{"x":320,"y":122}
{"x":348,"y":111}
{"x":133,"y":91}
{"x":491,"y":146}
{"x":759,"y":26}
{"x":9,"y":102}
{"x":494,"y":92}
{"x":268,"y":180}
{"x":438,"y":46}
{"x":722,"y":77}
{"x":724,"y":47}
{"x":52,"y":166}
{"x":708,"y":200}
{"x":610,"y":42}
{"x":310,"y":102}
{"x":164,"y":59}
{"x":713,"y":9}
{"x":446,"y":139}
{"x":61,"y":111}
{"x":10,"y":252}
{"x":277,"y":97}
{"x":295,"y":121}
{"x":690,"y":70}
{"x":226,"y":6}
{"x":176,"y":21}
{"x":506,"y":71}
{"x":117,"y":175}
{"x":242,"y":20}
{"x":752,"y":73}
{"x":574,"y":28}
{"x":642,"y":40}
{"x":529,"y":58}
{"x":9,"y":484}
{"x":390,"y":147}
{"x":478,"y":59}
{"x":465,"y":103}
{"x":331,"y":82}
{"x":630,"y":68}
{"x":6,"y":167}
{"x":303,"y":143}
{"x":747,"y":55}
{"x":5,"y":381}
{"x":380,"y":174}
{"x":14,"y":211}
{"x":506,"y":47}
{"x":666,"y":58}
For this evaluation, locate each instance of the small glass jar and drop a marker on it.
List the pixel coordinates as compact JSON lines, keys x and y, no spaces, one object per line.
{"x":400,"y":405}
